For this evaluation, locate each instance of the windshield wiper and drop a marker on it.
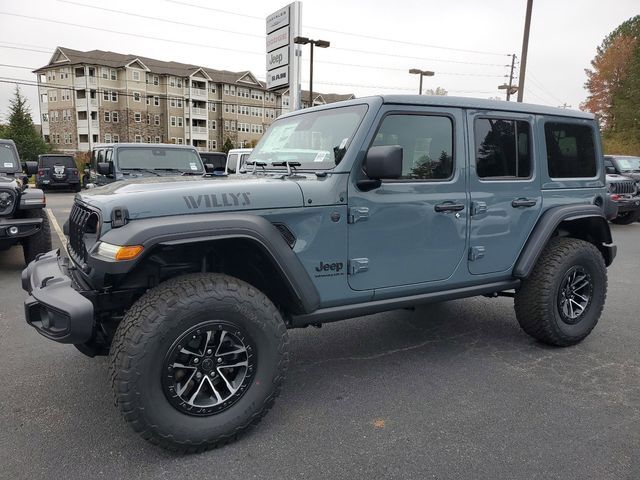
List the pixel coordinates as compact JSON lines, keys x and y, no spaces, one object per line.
{"x":182,"y":172}
{"x":138,"y":169}
{"x":256,"y":164}
{"x":291,"y":166}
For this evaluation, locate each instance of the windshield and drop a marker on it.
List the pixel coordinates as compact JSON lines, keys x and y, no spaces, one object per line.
{"x":48,"y":162}
{"x":218,"y":160}
{"x":316,"y":140}
{"x":158,"y":158}
{"x":8,"y":160}
{"x":628,"y":164}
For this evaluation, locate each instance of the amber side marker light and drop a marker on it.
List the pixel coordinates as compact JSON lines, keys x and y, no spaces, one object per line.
{"x":119,"y":252}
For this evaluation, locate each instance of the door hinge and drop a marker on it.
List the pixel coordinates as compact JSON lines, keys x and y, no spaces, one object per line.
{"x":358,"y":213}
{"x":478,"y":208}
{"x":476,"y":253}
{"x":358,"y":265}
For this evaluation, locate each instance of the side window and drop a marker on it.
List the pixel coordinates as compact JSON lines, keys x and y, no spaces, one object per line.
{"x":570,"y":150}
{"x":503,"y":148}
{"x":100,"y":156}
{"x":94,"y":159}
{"x":231,"y":162}
{"x":108,"y":156}
{"x":426,"y":141}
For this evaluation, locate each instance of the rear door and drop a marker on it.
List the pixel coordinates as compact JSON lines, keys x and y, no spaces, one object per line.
{"x":505,"y":188}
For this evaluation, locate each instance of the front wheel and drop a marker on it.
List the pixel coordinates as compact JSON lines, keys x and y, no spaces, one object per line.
{"x":39,"y":242}
{"x":197,"y":361}
{"x":561,"y":302}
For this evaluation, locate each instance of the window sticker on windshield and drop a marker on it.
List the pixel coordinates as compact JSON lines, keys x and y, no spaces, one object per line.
{"x":193,"y":166}
{"x":8,"y":164}
{"x":320,"y":156}
{"x":279,"y":137}
{"x":343,"y":143}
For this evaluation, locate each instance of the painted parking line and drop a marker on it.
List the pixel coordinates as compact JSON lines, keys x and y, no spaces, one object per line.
{"x":56,"y":227}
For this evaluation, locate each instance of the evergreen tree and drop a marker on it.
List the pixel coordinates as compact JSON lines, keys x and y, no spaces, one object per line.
{"x":228,"y":145}
{"x":21,"y":129}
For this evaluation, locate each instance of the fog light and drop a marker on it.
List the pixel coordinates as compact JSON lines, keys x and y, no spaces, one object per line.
{"x":13,"y":230}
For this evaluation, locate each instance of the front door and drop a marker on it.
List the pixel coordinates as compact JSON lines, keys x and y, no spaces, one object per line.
{"x":505,"y":188}
{"x":412,"y":230}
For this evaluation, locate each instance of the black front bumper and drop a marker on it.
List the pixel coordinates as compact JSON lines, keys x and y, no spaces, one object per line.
{"x":25,"y":227}
{"x":54,"y":307}
{"x":628,"y":204}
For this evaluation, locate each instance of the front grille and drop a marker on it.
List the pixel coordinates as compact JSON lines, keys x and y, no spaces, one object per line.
{"x":7,"y":202}
{"x":623,"y":188}
{"x":82,"y":221}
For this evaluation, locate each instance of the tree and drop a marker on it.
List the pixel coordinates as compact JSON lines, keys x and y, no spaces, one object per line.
{"x":439,"y":91}
{"x":228,"y":145}
{"x":614,"y":88}
{"x":21,"y":129}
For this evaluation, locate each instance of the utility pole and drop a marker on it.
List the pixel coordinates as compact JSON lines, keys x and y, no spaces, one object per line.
{"x":525,"y":48}
{"x":513,"y":62}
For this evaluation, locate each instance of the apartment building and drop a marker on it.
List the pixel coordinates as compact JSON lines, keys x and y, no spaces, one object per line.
{"x":98,"y":96}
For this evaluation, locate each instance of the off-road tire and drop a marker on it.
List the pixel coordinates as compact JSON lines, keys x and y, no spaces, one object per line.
{"x":627,"y":218}
{"x":159,"y":318}
{"x":39,"y":242}
{"x":537,"y":299}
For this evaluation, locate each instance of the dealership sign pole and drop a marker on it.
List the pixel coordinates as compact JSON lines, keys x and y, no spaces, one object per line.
{"x":283,"y":56}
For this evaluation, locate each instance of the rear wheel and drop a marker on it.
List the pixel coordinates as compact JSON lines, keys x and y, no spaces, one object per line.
{"x":561,"y":302}
{"x":40,"y":242}
{"x":197,"y":361}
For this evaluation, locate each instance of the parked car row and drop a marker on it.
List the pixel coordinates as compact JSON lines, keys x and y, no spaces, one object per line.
{"x":623,"y":183}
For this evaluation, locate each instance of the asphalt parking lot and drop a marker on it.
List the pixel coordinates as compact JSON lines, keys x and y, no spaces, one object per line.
{"x":452,"y":390}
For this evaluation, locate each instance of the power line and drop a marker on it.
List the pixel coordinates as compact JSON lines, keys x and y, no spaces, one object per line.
{"x":404,"y":69}
{"x":16,"y":66}
{"x":25,"y":49}
{"x":369,"y":37}
{"x":542,"y":88}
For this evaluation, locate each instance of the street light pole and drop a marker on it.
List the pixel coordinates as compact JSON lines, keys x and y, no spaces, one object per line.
{"x":316,"y":43}
{"x":422,"y":73}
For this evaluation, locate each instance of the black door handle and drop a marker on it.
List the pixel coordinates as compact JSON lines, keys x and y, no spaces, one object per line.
{"x":523,"y":202}
{"x":449,"y":207}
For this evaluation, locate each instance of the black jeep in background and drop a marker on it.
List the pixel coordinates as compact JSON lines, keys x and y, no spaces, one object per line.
{"x":57,"y":171}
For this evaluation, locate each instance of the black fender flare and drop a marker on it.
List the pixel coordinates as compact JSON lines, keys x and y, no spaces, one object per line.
{"x":185,"y":229}
{"x":554,"y":217}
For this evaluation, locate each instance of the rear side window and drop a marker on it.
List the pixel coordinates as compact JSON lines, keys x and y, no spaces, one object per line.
{"x":426,"y":141}
{"x":503,"y":148}
{"x":570,"y":150}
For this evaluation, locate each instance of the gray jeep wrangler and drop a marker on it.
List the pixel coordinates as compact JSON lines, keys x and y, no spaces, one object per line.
{"x":23,"y":219}
{"x":345,"y":210}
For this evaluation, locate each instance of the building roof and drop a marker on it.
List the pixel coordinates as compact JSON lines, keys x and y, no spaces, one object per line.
{"x":67,"y":56}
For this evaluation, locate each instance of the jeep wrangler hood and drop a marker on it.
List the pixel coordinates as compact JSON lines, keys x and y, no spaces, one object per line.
{"x":162,"y":196}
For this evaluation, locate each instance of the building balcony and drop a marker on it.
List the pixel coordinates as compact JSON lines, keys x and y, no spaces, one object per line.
{"x":81,"y":103}
{"x":196,"y":112}
{"x":199,"y":133}
{"x":84,"y":82}
{"x":199,"y":93}
{"x":83,"y":127}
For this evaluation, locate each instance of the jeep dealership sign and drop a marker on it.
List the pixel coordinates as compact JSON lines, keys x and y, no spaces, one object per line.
{"x":283,"y":56}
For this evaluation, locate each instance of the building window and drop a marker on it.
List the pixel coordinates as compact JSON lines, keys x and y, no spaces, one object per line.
{"x":233,"y":125}
{"x":138,"y":139}
{"x":104,"y":73}
{"x":116,"y":138}
{"x":156,"y":120}
{"x":156,"y":101}
{"x":148,"y":119}
{"x":212,"y":106}
{"x":173,"y":121}
{"x":114,"y":74}
{"x":136,"y":96}
{"x":212,"y":87}
{"x":107,"y":116}
{"x":148,"y":139}
{"x":45,"y":117}
{"x":179,"y":103}
{"x":180,"y":121}
{"x":172,"y":102}
{"x":106,"y":95}
{"x":232,"y":90}
{"x":137,"y":117}
{"x":173,"y":140}
{"x":213,"y":124}
{"x":136,"y":75}
{"x":180,"y":141}
{"x":156,"y":80}
{"x":114,"y":96}
{"x":172,"y":81}
{"x":107,"y":138}
{"x":156,"y":140}
{"x":114,"y":117}
{"x":226,"y":125}
{"x":226,"y":89}
{"x":179,"y":82}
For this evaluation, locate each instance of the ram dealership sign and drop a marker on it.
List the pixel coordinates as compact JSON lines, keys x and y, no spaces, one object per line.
{"x":283,"y":56}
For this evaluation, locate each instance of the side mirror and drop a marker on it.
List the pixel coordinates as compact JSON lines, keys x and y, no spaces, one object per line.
{"x":381,"y":162}
{"x":610,"y":170}
{"x":104,"y":168}
{"x":31,"y":168}
{"x":209,"y":168}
